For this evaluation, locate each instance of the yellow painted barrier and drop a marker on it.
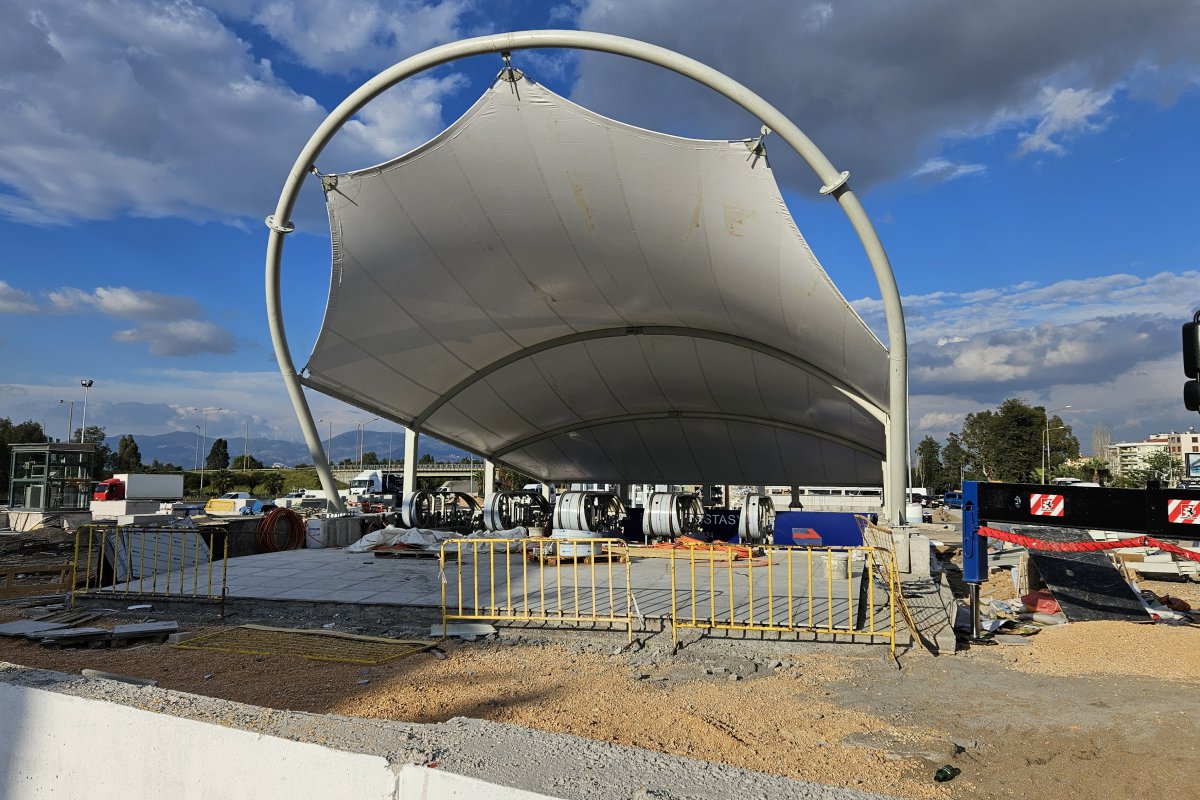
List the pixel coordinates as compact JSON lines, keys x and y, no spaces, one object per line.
{"x":537,"y":580}
{"x":824,"y":590}
{"x":139,"y":560}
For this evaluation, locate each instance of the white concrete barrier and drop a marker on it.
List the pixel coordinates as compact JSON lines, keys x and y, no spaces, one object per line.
{"x":54,"y":745}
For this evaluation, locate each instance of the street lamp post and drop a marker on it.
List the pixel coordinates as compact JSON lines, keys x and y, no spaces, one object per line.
{"x":1046,"y":449}
{"x":204,"y":443}
{"x":197,"y":427}
{"x":86,"y":383}
{"x":1046,"y":463}
{"x":70,"y":420}
{"x":328,"y":442}
{"x":361,"y":428}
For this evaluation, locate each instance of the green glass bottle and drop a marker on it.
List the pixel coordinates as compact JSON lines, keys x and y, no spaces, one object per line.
{"x":946,"y":773}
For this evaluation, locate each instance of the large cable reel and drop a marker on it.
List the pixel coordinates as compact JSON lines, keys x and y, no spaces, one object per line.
{"x":670,"y":515}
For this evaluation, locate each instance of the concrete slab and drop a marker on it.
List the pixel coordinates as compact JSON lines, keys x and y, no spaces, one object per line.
{"x":28,"y":627}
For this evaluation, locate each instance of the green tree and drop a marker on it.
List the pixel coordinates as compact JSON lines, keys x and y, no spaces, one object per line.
{"x":129,"y":458}
{"x":370,"y":458}
{"x":105,"y":460}
{"x":220,"y":481}
{"x":1094,"y":470}
{"x":218,"y":455}
{"x":247,"y":462}
{"x":1006,"y":444}
{"x":1163,"y":466}
{"x":426,"y":459}
{"x":928,"y":466}
{"x":954,"y":463}
{"x":272,"y":483}
{"x":1062,"y":447}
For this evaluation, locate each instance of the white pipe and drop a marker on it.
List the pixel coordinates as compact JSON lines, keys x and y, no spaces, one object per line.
{"x":834,"y":183}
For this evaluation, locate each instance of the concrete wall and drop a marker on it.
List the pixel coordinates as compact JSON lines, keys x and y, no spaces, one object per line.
{"x":56,"y":745}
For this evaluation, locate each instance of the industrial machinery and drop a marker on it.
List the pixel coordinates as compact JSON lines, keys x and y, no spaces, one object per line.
{"x":440,"y":510}
{"x":757,"y":522}
{"x":503,"y":511}
{"x":595,"y":511}
{"x":670,"y":515}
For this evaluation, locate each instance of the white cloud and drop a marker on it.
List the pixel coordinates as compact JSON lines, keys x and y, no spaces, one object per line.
{"x":943,"y":169}
{"x":1068,"y":113}
{"x":122,"y":301}
{"x":185,"y":337}
{"x":156,"y":109}
{"x":881,"y":86}
{"x":16,"y":301}
{"x":351,"y":35}
{"x":1106,"y":345}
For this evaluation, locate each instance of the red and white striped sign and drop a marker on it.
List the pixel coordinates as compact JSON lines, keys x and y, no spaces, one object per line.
{"x":1046,"y":505}
{"x":1183,"y":512}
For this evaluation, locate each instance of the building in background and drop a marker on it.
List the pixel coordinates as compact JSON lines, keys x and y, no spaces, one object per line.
{"x":1124,"y":457}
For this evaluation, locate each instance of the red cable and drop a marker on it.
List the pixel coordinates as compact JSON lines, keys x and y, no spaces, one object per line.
{"x":1086,"y":547}
{"x":267,"y":541}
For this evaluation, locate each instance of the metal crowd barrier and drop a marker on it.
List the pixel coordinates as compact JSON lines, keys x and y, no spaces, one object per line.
{"x":137,"y":560}
{"x":786,"y":589}
{"x":537,"y":580}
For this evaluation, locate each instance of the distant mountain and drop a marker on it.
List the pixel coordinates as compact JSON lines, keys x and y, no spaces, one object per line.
{"x":181,"y":448}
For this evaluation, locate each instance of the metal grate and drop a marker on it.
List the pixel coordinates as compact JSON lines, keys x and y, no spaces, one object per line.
{"x":260,"y":640}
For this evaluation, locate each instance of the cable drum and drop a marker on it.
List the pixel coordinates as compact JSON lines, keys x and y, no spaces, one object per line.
{"x":670,"y":515}
{"x":439,"y":510}
{"x":757,"y":521}
{"x":599,"y":512}
{"x":506,"y":510}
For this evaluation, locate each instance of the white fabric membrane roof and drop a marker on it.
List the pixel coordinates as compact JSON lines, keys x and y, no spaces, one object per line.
{"x":584,"y":300}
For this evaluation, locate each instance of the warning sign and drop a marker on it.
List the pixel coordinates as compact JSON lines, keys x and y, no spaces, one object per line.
{"x":1046,"y":505}
{"x":1183,"y":512}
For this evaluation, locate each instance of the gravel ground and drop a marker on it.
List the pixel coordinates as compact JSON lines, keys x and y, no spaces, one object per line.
{"x":1096,"y":709}
{"x":552,"y":764}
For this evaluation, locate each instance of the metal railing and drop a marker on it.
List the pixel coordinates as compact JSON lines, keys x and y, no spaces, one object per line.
{"x":137,"y":560}
{"x":834,"y":591}
{"x":537,"y":580}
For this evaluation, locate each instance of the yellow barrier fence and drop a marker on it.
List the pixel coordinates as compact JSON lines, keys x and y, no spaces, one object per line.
{"x":836,"y":591}
{"x":139,"y":560}
{"x":537,"y":580}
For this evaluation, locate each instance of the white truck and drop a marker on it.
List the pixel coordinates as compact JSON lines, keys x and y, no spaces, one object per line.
{"x":130,"y":494}
{"x":372,"y":481}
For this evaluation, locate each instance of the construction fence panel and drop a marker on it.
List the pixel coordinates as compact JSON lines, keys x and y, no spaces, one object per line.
{"x":141,"y":560}
{"x":576,"y":581}
{"x":835,"y":591}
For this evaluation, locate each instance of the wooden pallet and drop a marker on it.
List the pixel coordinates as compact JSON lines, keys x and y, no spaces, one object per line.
{"x":10,"y":587}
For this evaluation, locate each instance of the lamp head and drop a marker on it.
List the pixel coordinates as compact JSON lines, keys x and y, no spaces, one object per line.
{"x":86,"y":383}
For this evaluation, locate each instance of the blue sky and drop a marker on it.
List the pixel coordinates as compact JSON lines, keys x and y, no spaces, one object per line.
{"x":1032,"y":168}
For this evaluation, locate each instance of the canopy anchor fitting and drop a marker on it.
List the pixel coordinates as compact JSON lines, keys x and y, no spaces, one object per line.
{"x":509,"y":73}
{"x":329,"y":183}
{"x":757,"y":148}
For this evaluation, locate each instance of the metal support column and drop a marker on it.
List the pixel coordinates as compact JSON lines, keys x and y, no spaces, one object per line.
{"x":411,"y":438}
{"x":489,"y":478}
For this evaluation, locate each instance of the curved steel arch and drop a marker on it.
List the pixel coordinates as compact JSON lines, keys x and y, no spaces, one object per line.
{"x":674,"y":414}
{"x":851,"y":391}
{"x":835,"y":183}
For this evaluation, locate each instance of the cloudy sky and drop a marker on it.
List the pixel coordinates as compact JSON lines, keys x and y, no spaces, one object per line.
{"x":1032,"y":168}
